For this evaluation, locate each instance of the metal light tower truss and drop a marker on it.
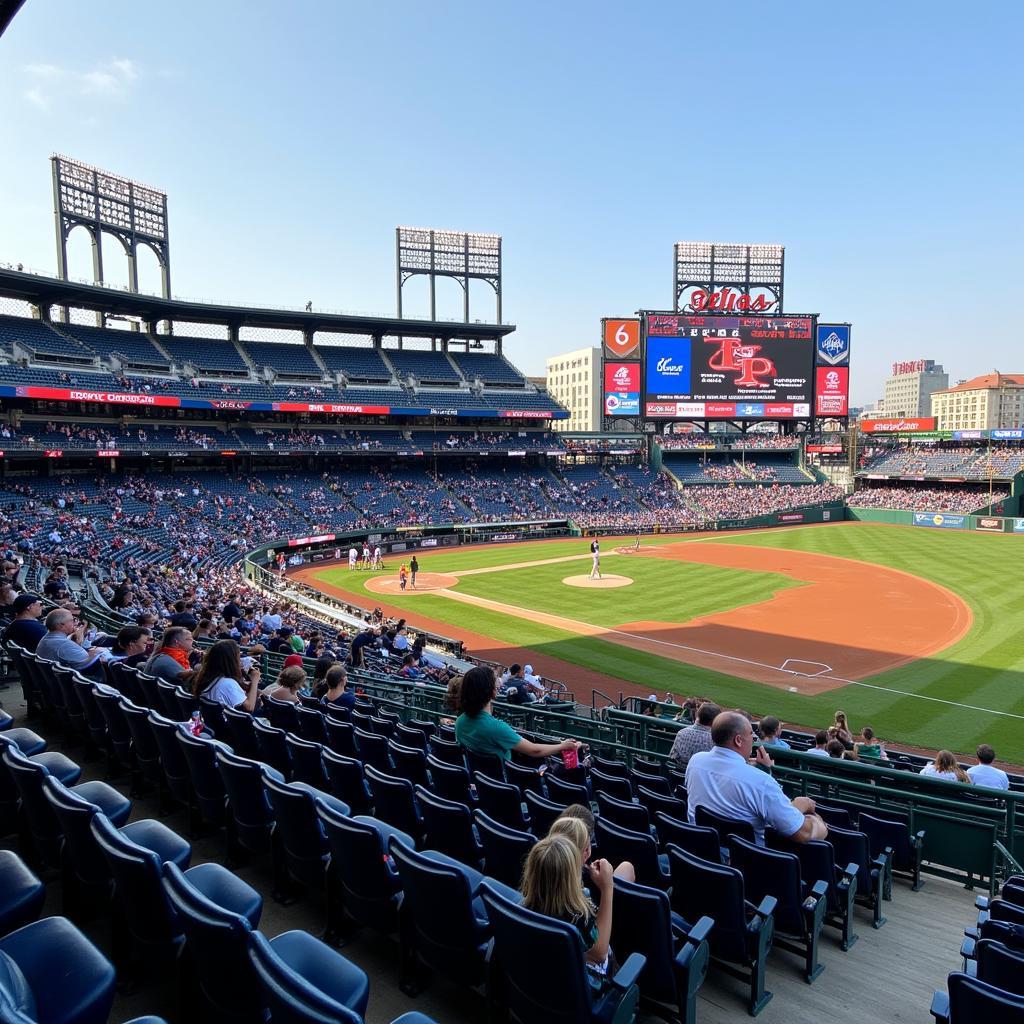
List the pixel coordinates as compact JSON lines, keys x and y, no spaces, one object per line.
{"x":135,"y":214}
{"x":750,"y":270}
{"x":460,"y":255}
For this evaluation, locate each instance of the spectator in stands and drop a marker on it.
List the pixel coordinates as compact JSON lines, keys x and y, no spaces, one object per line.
{"x":204,"y":630}
{"x":722,"y":780}
{"x":820,"y":748}
{"x":409,"y":669}
{"x":323,"y":664}
{"x":576,"y":830}
{"x":183,"y":615}
{"x":63,"y":642}
{"x":368,"y":637}
{"x":131,"y":646}
{"x":271,"y":621}
{"x":222,"y":678}
{"x":771,"y":729}
{"x":56,"y":586}
{"x":515,"y":690}
{"x":840,"y":730}
{"x":551,"y":886}
{"x":232,"y":610}
{"x":945,"y":767}
{"x":26,"y":630}
{"x":869,"y":745}
{"x":7,"y":596}
{"x":478,"y":730}
{"x":290,"y":680}
{"x":984,"y":774}
{"x":171,"y":658}
{"x":835,"y":749}
{"x":281,"y":640}
{"x":695,"y":738}
{"x":336,"y":693}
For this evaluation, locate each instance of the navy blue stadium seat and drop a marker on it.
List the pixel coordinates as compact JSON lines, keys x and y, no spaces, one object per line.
{"x":450,"y":781}
{"x":240,"y":733}
{"x":505,"y":849}
{"x":410,"y":763}
{"x":625,"y":813}
{"x":543,"y":813}
{"x":725,"y":827}
{"x":616,"y":786}
{"x":551,"y":984}
{"x":250,"y":818}
{"x":273,"y":747}
{"x":907,"y":849}
{"x":970,"y":1000}
{"x":657,"y":803}
{"x":566,"y":793}
{"x":207,"y":785}
{"x":851,"y":847}
{"x":394,"y":802}
{"x":307,"y":762}
{"x":345,"y":781}
{"x":695,"y":839}
{"x":501,"y":801}
{"x":639,"y":848}
{"x":21,"y":894}
{"x":448,"y":828}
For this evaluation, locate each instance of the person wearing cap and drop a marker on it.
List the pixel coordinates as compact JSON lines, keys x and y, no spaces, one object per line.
{"x":534,"y":683}
{"x":25,"y":629}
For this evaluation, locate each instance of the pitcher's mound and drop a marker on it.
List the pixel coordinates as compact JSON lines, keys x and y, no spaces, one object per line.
{"x":606,"y":582}
{"x":425,"y":582}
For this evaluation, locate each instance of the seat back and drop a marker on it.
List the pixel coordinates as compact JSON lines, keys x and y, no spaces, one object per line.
{"x":972,"y":1000}
{"x":410,"y":762}
{"x":172,"y":757}
{"x":168,"y":694}
{"x":817,"y":862}
{"x":144,"y":745}
{"x":694,"y":839}
{"x":240,"y":730}
{"x":839,"y":816}
{"x":201,"y":758}
{"x":771,"y":873}
{"x":251,"y":814}
{"x":560,"y":791}
{"x":94,"y":720}
{"x":505,"y":849}
{"x":212,"y":713}
{"x":447,"y":750}
{"x":702,"y":889}
{"x":611,"y":785}
{"x":437,"y":903}
{"x":501,"y":801}
{"x":74,"y":815}
{"x":529,"y":780}
{"x":345,"y":781}
{"x":543,"y":813}
{"x":448,"y":828}
{"x":450,"y":781}
{"x":852,"y":847}
{"x":725,"y":827}
{"x":311,"y":725}
{"x":882,"y":832}
{"x":28,"y":776}
{"x":372,"y":749}
{"x":186,"y":704}
{"x":410,"y":737}
{"x":138,"y":891}
{"x":1000,"y":966}
{"x":603,"y":764}
{"x":340,"y":736}
{"x":642,"y":923}
{"x":273,"y":749}
{"x":659,"y":803}
{"x":297,"y":828}
{"x":118,"y":732}
{"x":394,"y":801}
{"x":618,"y":844}
{"x":283,"y":714}
{"x":486,"y":764}
{"x":550,"y":984}
{"x":623,"y":812}
{"x":307,"y":764}
{"x":656,"y":782}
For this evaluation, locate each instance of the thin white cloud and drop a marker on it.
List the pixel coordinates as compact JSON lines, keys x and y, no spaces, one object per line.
{"x":51,"y":84}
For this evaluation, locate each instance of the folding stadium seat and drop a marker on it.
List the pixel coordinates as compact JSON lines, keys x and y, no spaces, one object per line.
{"x":372,"y":749}
{"x":45,"y":830}
{"x":529,"y":780}
{"x":447,"y":750}
{"x":148,"y":694}
{"x":383,"y":724}
{"x":852,"y":848}
{"x":639,"y":848}
{"x":800,"y":906}
{"x":201,"y":757}
{"x":505,"y":849}
{"x":273,"y":747}
{"x":427,"y":728}
{"x":410,"y":737}
{"x":697,"y":840}
{"x":250,"y":818}
{"x":742,"y":934}
{"x":97,"y":740}
{"x":362,"y":883}
{"x":649,"y":767}
{"x":450,"y":781}
{"x":145,"y":751}
{"x":10,"y":799}
{"x":22,"y":895}
{"x":186,"y":704}
{"x":658,"y":803}
{"x":441,"y":925}
{"x":970,"y":1000}
{"x":543,"y":813}
{"x":622,"y":812}
{"x":485,"y":764}
{"x":217,"y":920}
{"x":345,"y":780}
{"x":119,"y":736}
{"x":907,"y":849}
{"x":74,"y":713}
{"x":123,"y":679}
{"x":212,"y":714}
{"x":35,"y":700}
{"x":307,"y":762}
{"x":611,"y":785}
{"x":501,"y":802}
{"x":817,"y":860}
{"x":551,"y":984}
{"x":619,"y":769}
{"x":28,"y":994}
{"x":168,"y":703}
{"x":448,"y":828}
{"x":676,"y":956}
{"x":340,"y":736}
{"x":566,"y":793}
{"x":282,"y":714}
{"x":300,"y":847}
{"x":311,"y":725}
{"x":240,"y":733}
{"x":177,"y":777}
{"x":838,"y":816}
{"x":657,"y":782}
{"x":998,"y":965}
{"x":725,"y":827}
{"x":27,"y":741}
{"x":394,"y":802}
{"x":410,"y":762}
{"x":85,"y":873}
{"x":304,"y":981}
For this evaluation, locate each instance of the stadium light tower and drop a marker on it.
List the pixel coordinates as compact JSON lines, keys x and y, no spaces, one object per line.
{"x":459,"y":255}
{"x":99,"y":201}
{"x":712,"y":276}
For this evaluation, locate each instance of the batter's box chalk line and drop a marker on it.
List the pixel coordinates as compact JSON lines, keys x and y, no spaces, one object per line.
{"x":821,"y":669}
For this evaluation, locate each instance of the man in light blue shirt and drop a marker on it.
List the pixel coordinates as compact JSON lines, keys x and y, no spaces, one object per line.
{"x":985,"y":773}
{"x":722,"y":780}
{"x":771,"y":728}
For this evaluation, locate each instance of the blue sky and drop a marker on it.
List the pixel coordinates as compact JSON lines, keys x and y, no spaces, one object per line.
{"x":880,"y":143}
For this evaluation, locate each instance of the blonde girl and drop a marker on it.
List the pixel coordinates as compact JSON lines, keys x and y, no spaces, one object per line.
{"x":576,"y":830}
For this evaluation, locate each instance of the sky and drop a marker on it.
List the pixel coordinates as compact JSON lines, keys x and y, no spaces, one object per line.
{"x":881,"y":143}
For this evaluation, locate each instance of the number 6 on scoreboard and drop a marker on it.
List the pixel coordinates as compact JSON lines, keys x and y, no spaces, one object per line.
{"x":621,"y":337}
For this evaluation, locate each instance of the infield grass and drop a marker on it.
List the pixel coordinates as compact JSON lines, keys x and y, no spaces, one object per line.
{"x":985,"y":668}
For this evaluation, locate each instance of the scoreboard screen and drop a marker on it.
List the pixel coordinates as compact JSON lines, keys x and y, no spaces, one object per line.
{"x":728,"y":367}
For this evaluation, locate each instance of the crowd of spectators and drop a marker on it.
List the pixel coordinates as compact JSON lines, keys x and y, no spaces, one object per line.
{"x":745,"y":442}
{"x":973,"y":462}
{"x":958,"y":500}
{"x":712,"y":502}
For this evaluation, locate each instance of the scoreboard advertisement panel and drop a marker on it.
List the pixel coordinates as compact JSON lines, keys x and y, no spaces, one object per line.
{"x":729,"y":367}
{"x":621,"y":389}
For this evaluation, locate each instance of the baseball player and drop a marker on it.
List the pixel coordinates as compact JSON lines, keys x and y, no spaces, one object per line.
{"x":595,"y":554}
{"x":366,"y":555}
{"x":376,"y":558}
{"x":352,"y":556}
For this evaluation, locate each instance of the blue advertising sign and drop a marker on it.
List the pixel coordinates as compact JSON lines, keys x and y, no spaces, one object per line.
{"x":1008,"y":435}
{"x":833,"y":345}
{"x":668,"y":366}
{"x":968,"y":435}
{"x":626,"y":403}
{"x":750,"y":409}
{"x":1018,"y":526}
{"x":939,"y":520}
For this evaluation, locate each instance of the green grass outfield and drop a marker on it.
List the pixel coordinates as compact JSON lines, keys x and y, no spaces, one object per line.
{"x":984,"y":669}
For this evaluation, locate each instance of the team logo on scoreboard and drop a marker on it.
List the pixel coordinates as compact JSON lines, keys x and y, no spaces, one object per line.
{"x":733,"y":356}
{"x":834,"y":344}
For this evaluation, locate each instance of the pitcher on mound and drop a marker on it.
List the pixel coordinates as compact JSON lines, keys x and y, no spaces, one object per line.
{"x":595,"y":554}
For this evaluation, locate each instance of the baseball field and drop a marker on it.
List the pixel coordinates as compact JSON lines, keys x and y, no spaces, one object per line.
{"x":915,"y":632}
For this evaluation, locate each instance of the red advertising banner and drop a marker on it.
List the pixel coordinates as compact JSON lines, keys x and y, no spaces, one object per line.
{"x":54,"y":454}
{"x":831,"y":391}
{"x":526,"y":414}
{"x":108,"y":453}
{"x":620,"y":378}
{"x":898,"y":426}
{"x":333,"y":407}
{"x":111,"y":397}
{"x":825,"y":449}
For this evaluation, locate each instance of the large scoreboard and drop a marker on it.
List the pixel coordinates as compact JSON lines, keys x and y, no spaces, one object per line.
{"x":708,"y":366}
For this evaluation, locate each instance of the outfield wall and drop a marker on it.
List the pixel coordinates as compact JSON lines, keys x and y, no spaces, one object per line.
{"x":939,"y":520}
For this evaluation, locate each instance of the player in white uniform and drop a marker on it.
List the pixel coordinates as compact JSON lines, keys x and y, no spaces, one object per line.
{"x":366,"y":556}
{"x":352,"y":556}
{"x":595,"y":554}
{"x":376,"y":557}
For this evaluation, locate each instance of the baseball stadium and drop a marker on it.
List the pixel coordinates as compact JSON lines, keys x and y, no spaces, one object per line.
{"x":332,"y":659}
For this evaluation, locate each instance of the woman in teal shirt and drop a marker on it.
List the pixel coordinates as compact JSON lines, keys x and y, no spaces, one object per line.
{"x":479,"y":731}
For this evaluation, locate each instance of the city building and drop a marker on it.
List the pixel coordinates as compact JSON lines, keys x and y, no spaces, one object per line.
{"x":573,"y":380}
{"x":992,"y":401}
{"x":909,"y":390}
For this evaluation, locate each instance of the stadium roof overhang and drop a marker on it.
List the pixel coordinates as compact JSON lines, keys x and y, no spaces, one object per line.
{"x":47,"y":291}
